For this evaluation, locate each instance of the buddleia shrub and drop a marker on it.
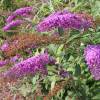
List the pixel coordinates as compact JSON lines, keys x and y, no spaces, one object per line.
{"x":53,"y":52}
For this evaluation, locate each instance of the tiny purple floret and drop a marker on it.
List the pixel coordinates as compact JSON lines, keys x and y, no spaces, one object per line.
{"x":64,"y":73}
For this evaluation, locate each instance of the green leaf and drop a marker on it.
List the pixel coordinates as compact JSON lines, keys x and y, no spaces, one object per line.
{"x":60,"y":31}
{"x":59,"y":50}
{"x":77,"y":70}
{"x":39,"y":98}
{"x":25,"y":89}
{"x":34,"y":79}
{"x":52,"y":84}
{"x":76,"y":36}
{"x":97,"y":97}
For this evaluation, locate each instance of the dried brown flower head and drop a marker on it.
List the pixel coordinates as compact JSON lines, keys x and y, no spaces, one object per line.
{"x":57,"y":88}
{"x":23,"y":41}
{"x":88,"y":17}
{"x":5,"y":91}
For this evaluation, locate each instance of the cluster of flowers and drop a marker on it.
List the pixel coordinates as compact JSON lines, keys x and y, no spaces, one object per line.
{"x":11,"y":60}
{"x":92,"y":57}
{"x":3,"y":62}
{"x":30,"y":66}
{"x":23,"y":12}
{"x":64,"y":19}
{"x":5,"y":46}
{"x":24,"y":41}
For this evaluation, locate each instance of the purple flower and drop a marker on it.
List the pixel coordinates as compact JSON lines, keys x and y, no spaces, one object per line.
{"x":65,"y":20}
{"x":12,"y":24}
{"x":64,"y":73}
{"x":10,"y":18}
{"x":2,"y":63}
{"x":23,"y":10}
{"x":19,"y":12}
{"x":30,"y":66}
{"x":5,"y":46}
{"x":58,"y":13}
{"x":92,"y":57}
{"x":15,"y":58}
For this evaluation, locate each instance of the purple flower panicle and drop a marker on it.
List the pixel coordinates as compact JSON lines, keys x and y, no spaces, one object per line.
{"x":58,"y":13}
{"x":12,"y":24}
{"x":19,"y":12}
{"x":23,"y":10}
{"x":30,"y":66}
{"x":63,"y":19}
{"x":92,"y":57}
{"x":10,"y":18}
